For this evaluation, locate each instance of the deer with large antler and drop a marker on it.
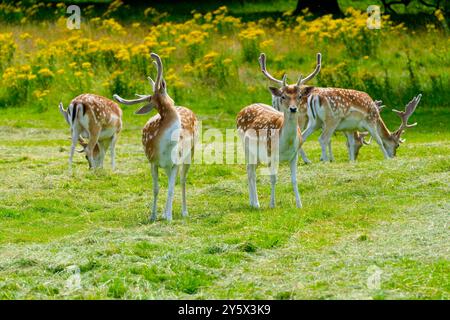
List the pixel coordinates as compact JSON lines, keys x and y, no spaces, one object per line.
{"x":168,"y":138}
{"x":355,"y":140}
{"x":97,"y":119}
{"x":336,"y":109}
{"x":270,"y":135}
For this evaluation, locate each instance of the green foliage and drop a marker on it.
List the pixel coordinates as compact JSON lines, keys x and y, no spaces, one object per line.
{"x":219,"y":50}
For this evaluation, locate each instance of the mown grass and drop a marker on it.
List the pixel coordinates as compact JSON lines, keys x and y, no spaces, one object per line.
{"x":357,"y":217}
{"x":389,"y":214}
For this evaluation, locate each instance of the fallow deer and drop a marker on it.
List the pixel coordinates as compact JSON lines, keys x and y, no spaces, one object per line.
{"x":336,"y":109}
{"x":168,"y":138}
{"x":97,"y":119}
{"x":270,"y":135}
{"x":355,"y":140}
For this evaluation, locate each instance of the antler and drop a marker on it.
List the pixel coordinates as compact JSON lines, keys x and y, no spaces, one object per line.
{"x":152,"y":83}
{"x":156,"y":85}
{"x":379,"y":105}
{"x":362,"y":135}
{"x":159,"y":66}
{"x":314,"y":73}
{"x":83,"y":144}
{"x":130,"y":102}
{"x":262,"y":64}
{"x":404,"y":115}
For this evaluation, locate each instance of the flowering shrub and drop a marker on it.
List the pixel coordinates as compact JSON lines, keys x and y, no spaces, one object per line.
{"x":214,"y":49}
{"x":250,"y":38}
{"x":7,"y":49}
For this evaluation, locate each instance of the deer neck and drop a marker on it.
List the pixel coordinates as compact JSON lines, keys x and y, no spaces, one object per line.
{"x":383,"y":131}
{"x":288,"y":134}
{"x":166,"y":109}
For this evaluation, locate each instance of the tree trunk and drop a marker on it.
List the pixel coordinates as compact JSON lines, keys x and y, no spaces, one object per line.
{"x":318,"y":7}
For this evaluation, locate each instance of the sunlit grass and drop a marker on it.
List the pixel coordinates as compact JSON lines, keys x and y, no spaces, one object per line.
{"x":355,"y":216}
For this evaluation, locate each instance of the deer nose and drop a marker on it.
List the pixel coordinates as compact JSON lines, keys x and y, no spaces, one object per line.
{"x":293,"y":109}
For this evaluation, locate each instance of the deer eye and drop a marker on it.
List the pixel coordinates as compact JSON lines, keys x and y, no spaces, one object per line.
{"x":283,"y":97}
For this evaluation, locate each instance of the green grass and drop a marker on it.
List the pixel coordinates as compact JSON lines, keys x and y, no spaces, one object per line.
{"x":392,"y":215}
{"x":385,"y":215}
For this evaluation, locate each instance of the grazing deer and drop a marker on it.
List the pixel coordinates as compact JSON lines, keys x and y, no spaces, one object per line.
{"x":355,"y":140}
{"x":336,"y":109}
{"x":271,"y":135}
{"x":168,"y":138}
{"x":97,"y":119}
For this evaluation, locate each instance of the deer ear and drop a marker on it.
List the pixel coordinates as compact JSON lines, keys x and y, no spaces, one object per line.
{"x":163,"y":86}
{"x":64,"y":112}
{"x":145,"y":109}
{"x":275,"y":91}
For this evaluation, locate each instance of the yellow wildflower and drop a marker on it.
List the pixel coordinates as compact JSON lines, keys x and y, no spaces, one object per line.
{"x":45,"y":72}
{"x":266,"y":43}
{"x":210,"y":55}
{"x":25,"y":36}
{"x":188,"y":68}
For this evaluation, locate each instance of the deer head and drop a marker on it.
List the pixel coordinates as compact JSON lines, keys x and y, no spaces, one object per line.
{"x":289,"y":95}
{"x":158,"y":99}
{"x":395,"y":139}
{"x":360,"y":141}
{"x":96,"y":154}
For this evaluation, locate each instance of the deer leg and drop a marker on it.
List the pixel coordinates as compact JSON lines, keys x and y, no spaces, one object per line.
{"x":251,"y":174}
{"x":304,"y":156}
{"x":293,"y":166}
{"x":172,"y":173}
{"x":184,"y":171}
{"x":154,"y":169}
{"x":102,"y":146}
{"x":325,"y":138}
{"x":312,"y":126}
{"x":330,"y":152}
{"x":75,"y":136}
{"x":273,"y":181}
{"x":374,"y":133}
{"x":302,"y":125}
{"x":350,"y":145}
{"x":113,"y":151}
{"x":93,"y":140}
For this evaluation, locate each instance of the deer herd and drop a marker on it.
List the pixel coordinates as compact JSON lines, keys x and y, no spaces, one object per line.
{"x":270,"y":134}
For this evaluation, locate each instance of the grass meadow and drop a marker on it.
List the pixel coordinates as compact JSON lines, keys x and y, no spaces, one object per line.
{"x":374,"y":229}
